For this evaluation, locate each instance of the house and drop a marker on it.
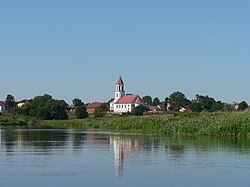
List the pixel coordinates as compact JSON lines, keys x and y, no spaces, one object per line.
{"x":184,"y":108}
{"x":2,"y":107}
{"x":92,"y":106}
{"x":124,"y":103}
{"x":154,"y":108}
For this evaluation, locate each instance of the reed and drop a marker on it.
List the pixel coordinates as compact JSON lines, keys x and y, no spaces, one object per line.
{"x":231,"y":124}
{"x":212,"y":124}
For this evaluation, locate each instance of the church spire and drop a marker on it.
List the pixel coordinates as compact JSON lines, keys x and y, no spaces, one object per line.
{"x":119,"y":92}
{"x":120,"y":81}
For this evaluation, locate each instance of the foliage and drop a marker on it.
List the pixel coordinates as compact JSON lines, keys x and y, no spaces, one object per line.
{"x":177,"y":100}
{"x":45,"y":107}
{"x":99,"y":112}
{"x":243,"y":106}
{"x":208,"y":124}
{"x":80,"y":109}
{"x":147,"y":100}
{"x":138,"y":111}
{"x":195,"y":107}
{"x":156,"y":101}
{"x":10,"y":103}
{"x":209,"y":104}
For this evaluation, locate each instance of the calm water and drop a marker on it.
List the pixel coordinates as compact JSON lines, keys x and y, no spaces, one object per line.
{"x":77,"y":157}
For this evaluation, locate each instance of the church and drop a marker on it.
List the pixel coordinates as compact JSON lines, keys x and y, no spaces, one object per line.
{"x":124,"y":103}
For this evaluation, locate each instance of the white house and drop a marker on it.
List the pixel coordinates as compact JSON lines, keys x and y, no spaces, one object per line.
{"x":124,"y":103}
{"x":2,"y":107}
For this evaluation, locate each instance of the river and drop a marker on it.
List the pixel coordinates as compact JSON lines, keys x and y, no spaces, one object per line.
{"x":80,"y":157}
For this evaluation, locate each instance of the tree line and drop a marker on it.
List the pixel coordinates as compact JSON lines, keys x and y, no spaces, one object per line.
{"x":45,"y":107}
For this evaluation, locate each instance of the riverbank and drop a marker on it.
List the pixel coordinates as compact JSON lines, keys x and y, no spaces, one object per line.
{"x":233,"y":124}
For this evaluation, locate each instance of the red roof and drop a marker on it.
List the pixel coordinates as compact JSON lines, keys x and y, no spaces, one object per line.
{"x":127,"y":99}
{"x":94,"y":105}
{"x":120,"y":81}
{"x":138,"y":101}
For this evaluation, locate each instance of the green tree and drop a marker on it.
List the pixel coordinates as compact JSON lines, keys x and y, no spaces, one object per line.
{"x":80,"y":109}
{"x":147,"y":100}
{"x":218,"y":106}
{"x":10,"y":103}
{"x":195,"y":107}
{"x":99,"y":112}
{"x":77,"y":102}
{"x":177,"y":100}
{"x":243,"y":106}
{"x":156,"y":101}
{"x":138,"y":111}
{"x":47,"y":108}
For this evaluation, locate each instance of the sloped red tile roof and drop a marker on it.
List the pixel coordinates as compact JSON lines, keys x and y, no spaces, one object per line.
{"x":120,"y":81}
{"x":127,"y":99}
{"x":94,"y":105}
{"x":138,"y":100}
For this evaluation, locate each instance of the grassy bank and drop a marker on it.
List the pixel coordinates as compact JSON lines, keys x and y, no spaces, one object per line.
{"x":235,"y":124}
{"x":212,"y":124}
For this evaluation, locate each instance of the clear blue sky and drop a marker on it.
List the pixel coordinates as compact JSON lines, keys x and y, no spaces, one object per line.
{"x":78,"y":48}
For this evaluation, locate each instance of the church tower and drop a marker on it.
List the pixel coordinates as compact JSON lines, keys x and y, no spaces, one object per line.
{"x":119,"y":89}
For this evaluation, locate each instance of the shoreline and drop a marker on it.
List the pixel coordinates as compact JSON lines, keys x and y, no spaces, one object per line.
{"x":221,"y":124}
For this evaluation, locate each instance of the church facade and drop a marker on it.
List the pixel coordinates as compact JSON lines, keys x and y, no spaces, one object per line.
{"x":124,"y":103}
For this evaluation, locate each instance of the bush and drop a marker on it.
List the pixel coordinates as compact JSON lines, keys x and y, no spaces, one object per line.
{"x":99,"y":112}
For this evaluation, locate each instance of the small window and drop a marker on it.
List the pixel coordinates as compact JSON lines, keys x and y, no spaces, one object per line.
{"x":125,"y":106}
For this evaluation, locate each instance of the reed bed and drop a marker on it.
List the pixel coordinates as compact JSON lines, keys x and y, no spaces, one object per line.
{"x":233,"y":124}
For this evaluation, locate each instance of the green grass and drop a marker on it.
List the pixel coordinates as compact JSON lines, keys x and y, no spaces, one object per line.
{"x":233,"y":124}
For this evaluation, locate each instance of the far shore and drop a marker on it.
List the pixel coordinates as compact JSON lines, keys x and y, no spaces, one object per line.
{"x":221,"y":124}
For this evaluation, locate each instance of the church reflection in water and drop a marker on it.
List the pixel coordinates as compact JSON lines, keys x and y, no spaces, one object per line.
{"x":123,"y":147}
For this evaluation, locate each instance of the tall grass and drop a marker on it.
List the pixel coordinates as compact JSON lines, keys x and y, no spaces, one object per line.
{"x":233,"y":124}
{"x":213,"y":124}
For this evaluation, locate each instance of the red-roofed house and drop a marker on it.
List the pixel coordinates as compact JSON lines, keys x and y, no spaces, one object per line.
{"x":124,"y":103}
{"x":2,"y":107}
{"x":92,"y":106}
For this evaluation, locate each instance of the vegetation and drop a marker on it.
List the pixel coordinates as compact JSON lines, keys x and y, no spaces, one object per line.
{"x":177,"y":100}
{"x":45,"y":107}
{"x":140,"y":110}
{"x":80,"y":109}
{"x":10,"y":103}
{"x":233,"y":124}
{"x":147,"y":100}
{"x":99,"y":112}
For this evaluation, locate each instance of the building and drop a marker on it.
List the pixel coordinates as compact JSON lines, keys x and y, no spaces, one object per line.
{"x":2,"y":107}
{"x":124,"y":103}
{"x":92,"y":106}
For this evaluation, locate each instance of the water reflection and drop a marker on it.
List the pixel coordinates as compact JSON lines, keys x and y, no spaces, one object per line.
{"x":126,"y":149}
{"x":123,"y":147}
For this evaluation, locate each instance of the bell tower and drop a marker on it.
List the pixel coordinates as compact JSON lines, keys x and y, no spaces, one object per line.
{"x":119,"y":89}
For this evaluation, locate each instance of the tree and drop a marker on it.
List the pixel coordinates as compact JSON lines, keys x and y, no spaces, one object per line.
{"x":177,"y":100}
{"x":218,"y":106}
{"x":209,"y":104}
{"x":47,"y":108}
{"x":10,"y":103}
{"x":147,"y":100}
{"x":156,"y":101}
{"x":77,"y":102}
{"x":195,"y":107}
{"x":243,"y":106}
{"x":138,"y":111}
{"x":80,"y":109}
{"x":99,"y":112}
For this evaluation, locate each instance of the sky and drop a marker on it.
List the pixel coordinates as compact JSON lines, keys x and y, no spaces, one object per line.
{"x":78,"y":48}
